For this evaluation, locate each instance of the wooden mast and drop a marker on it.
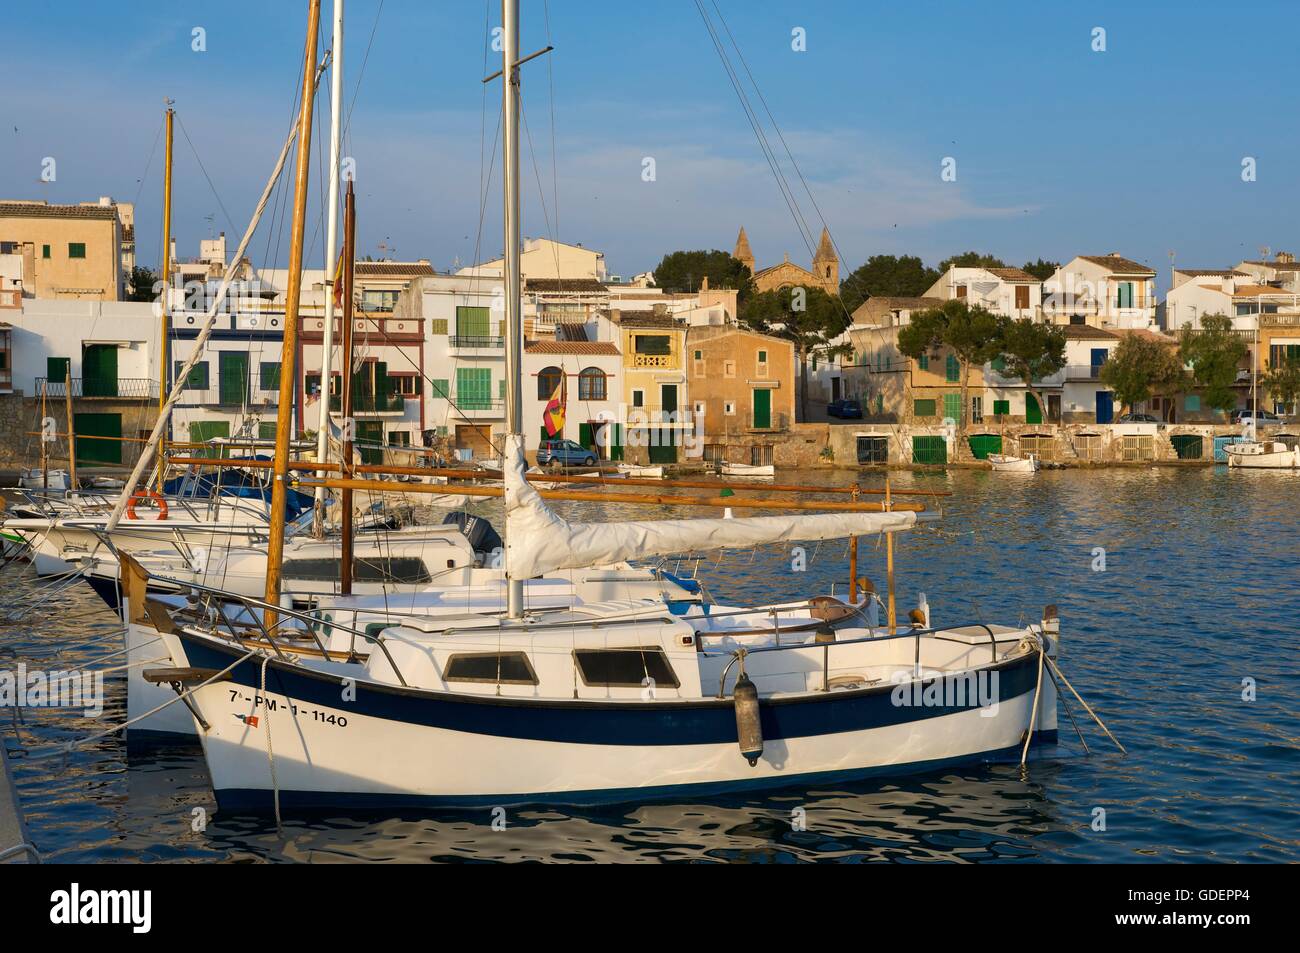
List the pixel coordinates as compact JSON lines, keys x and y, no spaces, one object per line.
{"x":164,"y":330}
{"x":289,"y":352}
{"x":345,"y":386}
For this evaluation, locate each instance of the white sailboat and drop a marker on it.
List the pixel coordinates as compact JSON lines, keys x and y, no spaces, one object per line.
{"x":1251,"y":453}
{"x":1004,"y":463}
{"x":591,"y":701}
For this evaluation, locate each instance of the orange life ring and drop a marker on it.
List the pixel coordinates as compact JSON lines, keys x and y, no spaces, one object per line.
{"x":143,"y":494}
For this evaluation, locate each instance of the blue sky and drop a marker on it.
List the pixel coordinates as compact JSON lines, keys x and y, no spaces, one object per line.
{"x":1060,"y":150}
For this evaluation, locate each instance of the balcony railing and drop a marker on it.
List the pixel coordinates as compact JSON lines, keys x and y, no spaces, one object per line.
{"x":371,"y":403}
{"x":1083,"y":372}
{"x":664,"y":361}
{"x":128,"y":388}
{"x":474,"y":340}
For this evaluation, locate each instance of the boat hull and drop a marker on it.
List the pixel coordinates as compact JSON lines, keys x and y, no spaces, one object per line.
{"x":395,"y":747}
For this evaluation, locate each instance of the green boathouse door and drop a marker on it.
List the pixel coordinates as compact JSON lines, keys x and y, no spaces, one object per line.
{"x":762,"y":408}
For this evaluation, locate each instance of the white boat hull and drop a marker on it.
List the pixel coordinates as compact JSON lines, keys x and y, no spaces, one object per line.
{"x":1262,"y":456}
{"x":746,"y":470}
{"x":1008,"y":464}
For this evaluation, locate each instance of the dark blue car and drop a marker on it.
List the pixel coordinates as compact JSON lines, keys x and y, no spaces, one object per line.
{"x":844,"y":409}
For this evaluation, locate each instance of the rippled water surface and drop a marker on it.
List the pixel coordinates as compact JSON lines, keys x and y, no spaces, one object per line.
{"x":1201,"y":590}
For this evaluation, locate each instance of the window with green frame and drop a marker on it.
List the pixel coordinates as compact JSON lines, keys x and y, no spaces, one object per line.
{"x":923,"y":362}
{"x":266,"y":430}
{"x":1001,"y":407}
{"x":441,"y":387}
{"x":438,"y":326}
{"x":197,"y":379}
{"x":270,"y":375}
{"x":76,"y":249}
{"x":999,"y":364}
{"x":952,"y":406}
{"x":472,"y":322}
{"x":45,"y":251}
{"x":952,"y":369}
{"x":923,"y":408}
{"x":1192,"y":402}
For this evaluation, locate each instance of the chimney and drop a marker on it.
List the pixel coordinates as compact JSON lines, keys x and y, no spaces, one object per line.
{"x":704,"y":283}
{"x":1285,"y":258}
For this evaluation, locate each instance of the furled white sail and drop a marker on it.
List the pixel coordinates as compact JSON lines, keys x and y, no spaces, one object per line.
{"x":540,"y":541}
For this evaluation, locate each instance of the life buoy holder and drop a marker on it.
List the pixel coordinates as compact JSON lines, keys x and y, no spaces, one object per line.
{"x":139,"y":495}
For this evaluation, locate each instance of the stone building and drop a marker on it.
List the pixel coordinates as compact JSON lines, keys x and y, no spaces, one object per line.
{"x":825,"y":273}
{"x":70,"y":251}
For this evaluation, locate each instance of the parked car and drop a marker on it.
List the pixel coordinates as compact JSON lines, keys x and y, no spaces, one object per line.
{"x":844,"y":409}
{"x":1138,"y":419}
{"x":1261,"y":416}
{"x":564,"y":453}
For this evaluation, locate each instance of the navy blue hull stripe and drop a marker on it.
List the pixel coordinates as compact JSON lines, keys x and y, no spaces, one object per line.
{"x":708,"y":721}
{"x":259,"y":800}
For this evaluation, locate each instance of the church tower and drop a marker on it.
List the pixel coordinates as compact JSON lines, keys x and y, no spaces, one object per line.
{"x":826,"y":264}
{"x":743,"y":253}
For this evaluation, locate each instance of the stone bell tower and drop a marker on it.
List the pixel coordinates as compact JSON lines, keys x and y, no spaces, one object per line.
{"x":826,"y":264}
{"x":743,"y":253}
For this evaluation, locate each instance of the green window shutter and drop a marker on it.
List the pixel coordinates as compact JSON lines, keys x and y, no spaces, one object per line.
{"x":952,"y":406}
{"x":438,"y":326}
{"x":232,"y":371}
{"x":999,"y":364}
{"x":952,"y":368}
{"x":45,"y":251}
{"x":99,"y":370}
{"x":472,"y":323}
{"x":1192,"y":402}
{"x":1001,"y":407}
{"x":474,"y":388}
{"x":923,"y":362}
{"x":270,"y":375}
{"x":76,"y":249}
{"x":440,"y":387}
{"x":265,"y":430}
{"x":198,"y":376}
{"x":57,"y":368}
{"x":501,"y":389}
{"x":89,"y":426}
{"x":201,"y":431}
{"x":923,"y":408}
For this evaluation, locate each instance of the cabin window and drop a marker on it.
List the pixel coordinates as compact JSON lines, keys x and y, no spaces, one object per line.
{"x":624,"y":668}
{"x":505,"y":668}
{"x":405,"y":569}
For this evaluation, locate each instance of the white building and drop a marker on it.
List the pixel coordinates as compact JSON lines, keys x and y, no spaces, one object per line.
{"x":1006,"y":291}
{"x":1102,"y":290}
{"x":593,"y":385}
{"x":1234,"y":294}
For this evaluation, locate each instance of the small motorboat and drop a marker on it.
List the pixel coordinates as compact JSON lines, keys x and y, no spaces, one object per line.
{"x":1004,"y":463}
{"x":1265,"y":455}
{"x":747,"y":470}
{"x":641,"y":472}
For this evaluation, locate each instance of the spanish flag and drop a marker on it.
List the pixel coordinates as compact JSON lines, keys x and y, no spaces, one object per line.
{"x":553,"y":416}
{"x":338,"y":284}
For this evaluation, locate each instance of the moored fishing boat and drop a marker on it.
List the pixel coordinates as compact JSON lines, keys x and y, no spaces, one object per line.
{"x":747,"y":470}
{"x":1262,"y":455}
{"x":1003,"y":463}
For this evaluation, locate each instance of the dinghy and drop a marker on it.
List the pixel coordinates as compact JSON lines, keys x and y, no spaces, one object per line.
{"x":1003,"y":463}
{"x":747,"y":470}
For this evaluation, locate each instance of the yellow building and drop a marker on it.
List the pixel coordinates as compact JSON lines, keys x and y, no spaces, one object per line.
{"x":654,"y":385}
{"x":825,"y":273}
{"x":742,"y":384}
{"x":69,"y":251}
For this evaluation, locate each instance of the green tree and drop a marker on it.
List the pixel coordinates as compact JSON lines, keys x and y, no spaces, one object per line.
{"x":1215,"y":353}
{"x":683,"y":271}
{"x":141,"y":284}
{"x":886,"y":276}
{"x":973,"y":334}
{"x":1031,"y":351}
{"x":1140,"y":368}
{"x":1283,"y":382}
{"x":971,"y":259}
{"x":1041,"y":269}
{"x":807,"y":317}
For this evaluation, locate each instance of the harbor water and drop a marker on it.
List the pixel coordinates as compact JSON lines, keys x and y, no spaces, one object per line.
{"x":1179,"y":597}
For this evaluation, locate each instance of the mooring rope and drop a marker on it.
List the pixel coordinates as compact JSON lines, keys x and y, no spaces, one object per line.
{"x":1033,"y":712}
{"x":270,"y":754}
{"x":1086,"y":707}
{"x":69,"y":746}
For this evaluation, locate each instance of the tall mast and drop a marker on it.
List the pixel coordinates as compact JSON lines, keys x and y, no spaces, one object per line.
{"x":331,"y":251}
{"x":164,"y":330}
{"x":514,"y":285}
{"x":289,"y":353}
{"x":345,"y":402}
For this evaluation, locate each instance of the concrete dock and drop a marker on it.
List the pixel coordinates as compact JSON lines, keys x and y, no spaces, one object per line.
{"x":13,"y":831}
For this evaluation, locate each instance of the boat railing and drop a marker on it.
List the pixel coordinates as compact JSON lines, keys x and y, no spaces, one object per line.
{"x":256,"y":609}
{"x":916,"y":633}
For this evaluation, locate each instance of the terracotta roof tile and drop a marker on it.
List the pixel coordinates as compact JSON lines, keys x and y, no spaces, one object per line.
{"x":1086,"y":332}
{"x":565,"y":284}
{"x":571,"y":347}
{"x":1119,"y":264}
{"x":394,"y":269}
{"x":42,"y":210}
{"x":1013,"y":274}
